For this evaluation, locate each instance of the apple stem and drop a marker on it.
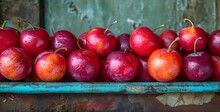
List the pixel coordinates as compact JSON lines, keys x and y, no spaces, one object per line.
{"x":195,"y":52}
{"x":60,"y":49}
{"x":78,"y":44}
{"x":110,"y":26}
{"x":186,"y":19}
{"x":3,"y":25}
{"x":161,"y":26}
{"x":170,"y":46}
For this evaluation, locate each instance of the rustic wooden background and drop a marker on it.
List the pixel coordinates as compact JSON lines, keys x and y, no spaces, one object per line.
{"x":79,"y":16}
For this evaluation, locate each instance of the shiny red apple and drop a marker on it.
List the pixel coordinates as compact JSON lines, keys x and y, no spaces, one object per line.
{"x":64,"y":38}
{"x":188,"y":36}
{"x":8,"y":38}
{"x":50,"y":66}
{"x":121,"y":66}
{"x":83,"y":65}
{"x":123,"y":43}
{"x":15,"y":64}
{"x":34,"y":40}
{"x":168,"y":36}
{"x":101,"y":41}
{"x":165,"y":64}
{"x":143,"y":41}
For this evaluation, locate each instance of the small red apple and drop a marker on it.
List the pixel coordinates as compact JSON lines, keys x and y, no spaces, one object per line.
{"x":83,"y":65}
{"x":188,"y":36}
{"x":143,"y":41}
{"x":50,"y":66}
{"x":64,"y":38}
{"x":123,"y":43}
{"x":8,"y":38}
{"x":121,"y":66}
{"x":34,"y":40}
{"x":165,"y":64}
{"x":101,"y":41}
{"x":15,"y":64}
{"x":168,"y":36}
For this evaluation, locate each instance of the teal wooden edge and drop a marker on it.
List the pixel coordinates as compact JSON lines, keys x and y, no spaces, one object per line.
{"x":125,"y":88}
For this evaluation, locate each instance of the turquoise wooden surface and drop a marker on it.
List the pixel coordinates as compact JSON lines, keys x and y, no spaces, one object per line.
{"x":125,"y":88}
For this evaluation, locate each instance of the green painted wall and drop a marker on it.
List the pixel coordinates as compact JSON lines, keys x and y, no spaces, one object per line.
{"x":80,"y":15}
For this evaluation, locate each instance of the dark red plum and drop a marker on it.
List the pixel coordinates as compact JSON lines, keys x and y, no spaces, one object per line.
{"x":197,"y":67}
{"x":123,"y":43}
{"x":83,"y":65}
{"x":121,"y":66}
{"x":64,"y":38}
{"x":143,"y":74}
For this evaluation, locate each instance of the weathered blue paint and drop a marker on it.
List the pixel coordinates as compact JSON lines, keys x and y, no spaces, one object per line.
{"x":125,"y":88}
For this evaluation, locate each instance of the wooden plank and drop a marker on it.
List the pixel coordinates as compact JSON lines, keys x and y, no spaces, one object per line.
{"x":125,"y":88}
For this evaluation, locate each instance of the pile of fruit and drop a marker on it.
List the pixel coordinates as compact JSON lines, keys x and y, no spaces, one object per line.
{"x":99,"y":56}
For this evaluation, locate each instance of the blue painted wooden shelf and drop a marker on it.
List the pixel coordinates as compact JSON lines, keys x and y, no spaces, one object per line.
{"x":113,"y":87}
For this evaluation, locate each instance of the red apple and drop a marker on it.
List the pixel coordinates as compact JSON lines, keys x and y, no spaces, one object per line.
{"x":168,"y":36}
{"x":123,"y":43}
{"x":197,"y":67}
{"x":83,"y":65}
{"x":143,"y":74}
{"x":214,"y":42}
{"x":8,"y":38}
{"x":34,"y":40}
{"x":121,"y":66}
{"x":101,"y":41}
{"x":165,"y":64}
{"x":82,"y":40}
{"x":188,"y":36}
{"x":15,"y":64}
{"x":50,"y":66}
{"x":143,"y":41}
{"x":64,"y":38}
